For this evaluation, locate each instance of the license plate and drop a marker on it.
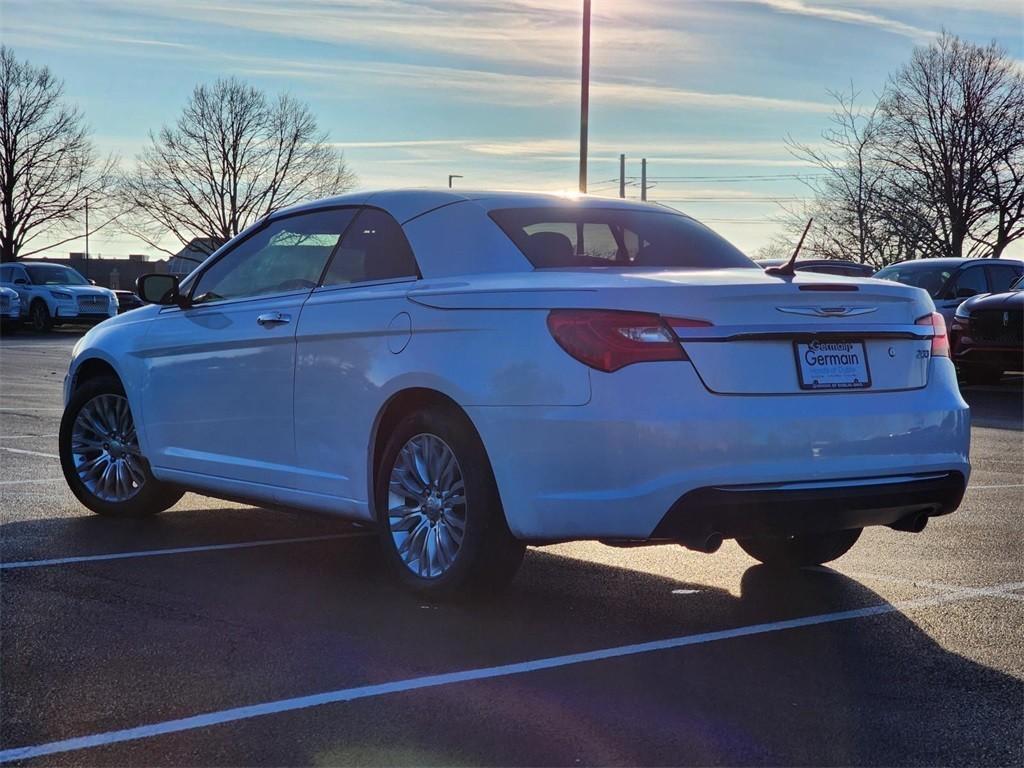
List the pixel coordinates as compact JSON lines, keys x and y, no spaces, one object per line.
{"x":832,"y":365}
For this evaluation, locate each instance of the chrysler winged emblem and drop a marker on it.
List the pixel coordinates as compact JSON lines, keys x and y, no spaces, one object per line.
{"x":828,"y":311}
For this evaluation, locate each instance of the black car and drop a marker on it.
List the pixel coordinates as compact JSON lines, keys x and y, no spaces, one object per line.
{"x":987,"y":335}
{"x":126,"y":300}
{"x":826,"y":266}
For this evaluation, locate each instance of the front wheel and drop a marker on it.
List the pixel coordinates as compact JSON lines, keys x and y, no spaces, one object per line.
{"x":796,"y":551}
{"x":39,"y":316}
{"x":100,"y":457}
{"x":438,"y":511}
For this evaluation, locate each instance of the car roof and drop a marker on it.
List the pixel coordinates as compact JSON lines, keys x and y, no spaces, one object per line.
{"x":405,"y":204}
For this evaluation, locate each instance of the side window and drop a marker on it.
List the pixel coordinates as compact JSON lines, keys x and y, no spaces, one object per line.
{"x":288,"y":255}
{"x":5,"y":274}
{"x":374,"y":249}
{"x":1001,"y":277}
{"x":970,"y":282}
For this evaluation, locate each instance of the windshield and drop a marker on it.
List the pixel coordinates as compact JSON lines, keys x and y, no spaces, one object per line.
{"x":54,"y":274}
{"x":931,"y":279}
{"x":603,"y":237}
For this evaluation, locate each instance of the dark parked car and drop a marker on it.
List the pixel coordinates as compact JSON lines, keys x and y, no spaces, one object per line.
{"x":987,"y":335}
{"x":825,"y":266}
{"x":127,"y":300}
{"x":950,"y":281}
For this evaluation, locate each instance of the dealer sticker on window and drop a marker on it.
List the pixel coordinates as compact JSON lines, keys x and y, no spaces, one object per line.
{"x":832,"y":365}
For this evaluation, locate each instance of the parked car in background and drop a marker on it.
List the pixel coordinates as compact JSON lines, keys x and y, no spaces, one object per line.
{"x":10,"y":308}
{"x":127,"y":300}
{"x":825,"y":266}
{"x":472,"y":372}
{"x":52,"y":294}
{"x":987,"y":335}
{"x":950,"y":281}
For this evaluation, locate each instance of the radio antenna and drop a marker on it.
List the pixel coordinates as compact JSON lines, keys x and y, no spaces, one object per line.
{"x":789,"y":268}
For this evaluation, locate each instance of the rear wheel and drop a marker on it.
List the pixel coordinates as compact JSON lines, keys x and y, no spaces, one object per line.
{"x":100,"y":457}
{"x":440,"y":518}
{"x":39,"y":316}
{"x":795,"y":551}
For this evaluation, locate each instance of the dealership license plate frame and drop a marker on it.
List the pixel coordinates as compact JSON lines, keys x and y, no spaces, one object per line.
{"x":831,"y":386}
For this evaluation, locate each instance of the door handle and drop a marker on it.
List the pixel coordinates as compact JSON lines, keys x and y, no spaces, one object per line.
{"x":273,"y":318}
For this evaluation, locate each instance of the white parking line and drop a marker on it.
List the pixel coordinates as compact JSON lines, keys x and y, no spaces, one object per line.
{"x":29,"y":453}
{"x":991,"y":487}
{"x":177,"y":550}
{"x":485,"y":673}
{"x":26,"y":437}
{"x":31,"y":482}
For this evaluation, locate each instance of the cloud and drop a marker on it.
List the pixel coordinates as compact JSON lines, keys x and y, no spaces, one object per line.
{"x":846,"y":15}
{"x":518,"y":90}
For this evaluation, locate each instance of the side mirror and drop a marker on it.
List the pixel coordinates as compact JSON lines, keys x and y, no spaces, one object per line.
{"x":91,"y":281}
{"x":965,"y":293}
{"x":159,"y":289}
{"x":20,"y":281}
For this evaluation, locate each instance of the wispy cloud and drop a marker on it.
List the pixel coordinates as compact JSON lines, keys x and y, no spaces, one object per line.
{"x":849,"y":14}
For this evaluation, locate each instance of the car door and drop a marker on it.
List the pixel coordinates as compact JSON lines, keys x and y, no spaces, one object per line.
{"x":351,"y":332}
{"x":217,"y":399}
{"x":968,"y":281}
{"x":22,"y":285}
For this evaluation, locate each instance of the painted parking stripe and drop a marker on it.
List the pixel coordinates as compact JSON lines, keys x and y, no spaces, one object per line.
{"x":33,"y":482}
{"x":486,"y":673}
{"x":178,"y":550}
{"x":29,"y":453}
{"x":992,"y":487}
{"x":26,"y":437}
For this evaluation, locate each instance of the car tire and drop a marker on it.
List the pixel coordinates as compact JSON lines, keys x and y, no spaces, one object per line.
{"x":99,"y":454}
{"x":418,"y":502}
{"x":39,"y":316}
{"x":797,"y":551}
{"x":977,"y":374}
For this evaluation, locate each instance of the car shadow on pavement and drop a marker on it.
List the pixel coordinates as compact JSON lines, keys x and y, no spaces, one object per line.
{"x":96,"y":646}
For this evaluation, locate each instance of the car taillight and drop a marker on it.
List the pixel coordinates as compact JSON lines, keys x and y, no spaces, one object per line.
{"x":609,"y":340}
{"x":940,"y":341}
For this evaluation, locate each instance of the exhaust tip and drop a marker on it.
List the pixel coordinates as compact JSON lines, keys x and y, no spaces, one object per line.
{"x":911,"y":523}
{"x":708,"y":544}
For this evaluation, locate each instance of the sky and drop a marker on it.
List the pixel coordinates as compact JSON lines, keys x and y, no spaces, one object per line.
{"x":414,"y":90}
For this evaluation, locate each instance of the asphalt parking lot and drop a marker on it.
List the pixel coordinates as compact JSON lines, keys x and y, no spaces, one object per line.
{"x":218,"y":634}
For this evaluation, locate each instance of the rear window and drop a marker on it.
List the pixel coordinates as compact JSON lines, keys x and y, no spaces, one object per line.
{"x":605,"y":237}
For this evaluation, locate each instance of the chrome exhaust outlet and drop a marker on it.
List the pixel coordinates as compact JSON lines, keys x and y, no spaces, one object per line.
{"x":914,"y":523}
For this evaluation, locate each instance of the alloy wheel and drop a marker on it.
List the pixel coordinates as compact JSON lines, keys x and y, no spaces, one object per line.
{"x":105,"y":449}
{"x":427,"y":506}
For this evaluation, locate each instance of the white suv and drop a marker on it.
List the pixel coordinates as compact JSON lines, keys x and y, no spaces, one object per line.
{"x":52,"y":293}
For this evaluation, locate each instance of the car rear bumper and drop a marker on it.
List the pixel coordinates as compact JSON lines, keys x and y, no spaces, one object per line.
{"x":797,"y":508}
{"x":1007,"y":356}
{"x":652,"y":435}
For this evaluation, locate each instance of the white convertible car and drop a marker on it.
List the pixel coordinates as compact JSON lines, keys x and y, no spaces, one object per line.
{"x":474,"y":372}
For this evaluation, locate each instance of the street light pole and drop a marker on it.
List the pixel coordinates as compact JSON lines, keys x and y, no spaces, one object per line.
{"x":585,"y":96}
{"x":86,"y":236}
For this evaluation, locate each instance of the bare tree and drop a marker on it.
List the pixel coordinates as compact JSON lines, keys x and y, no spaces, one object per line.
{"x":859,"y":216}
{"x":950,"y":119}
{"x":230,"y":158}
{"x":48,"y":167}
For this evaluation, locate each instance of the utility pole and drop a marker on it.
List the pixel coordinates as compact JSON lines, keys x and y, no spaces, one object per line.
{"x":643,"y":179}
{"x":86,"y":237}
{"x":585,"y":96}
{"x":622,"y":175}
{"x":453,"y":176}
